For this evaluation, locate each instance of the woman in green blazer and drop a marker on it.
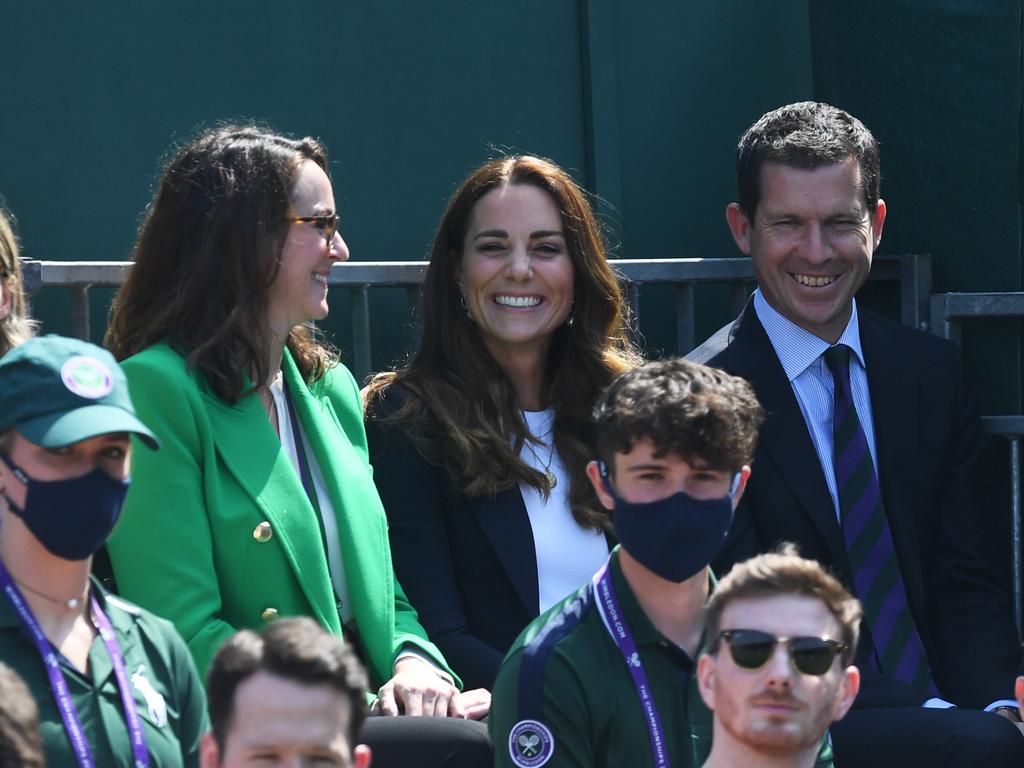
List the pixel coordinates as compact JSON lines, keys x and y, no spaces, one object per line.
{"x":262,"y":503}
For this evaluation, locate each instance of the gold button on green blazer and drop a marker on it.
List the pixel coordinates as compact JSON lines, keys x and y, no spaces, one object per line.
{"x":185,"y":546}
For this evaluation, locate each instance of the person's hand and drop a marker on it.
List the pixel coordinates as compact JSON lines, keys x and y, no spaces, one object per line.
{"x":416,"y":689}
{"x":471,"y":705}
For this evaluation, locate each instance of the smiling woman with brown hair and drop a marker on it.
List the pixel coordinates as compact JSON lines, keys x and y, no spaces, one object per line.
{"x":480,"y":443}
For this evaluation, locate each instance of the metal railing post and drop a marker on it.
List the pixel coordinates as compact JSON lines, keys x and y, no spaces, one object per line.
{"x":915,"y":290}
{"x":1015,"y":534}
{"x":80,"y":312}
{"x":362,"y":361}
{"x":686,"y":333}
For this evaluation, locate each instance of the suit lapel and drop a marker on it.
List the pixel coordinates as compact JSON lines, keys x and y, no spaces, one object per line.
{"x":895,"y":406}
{"x":784,"y":440}
{"x":252,"y":452}
{"x":506,"y":525}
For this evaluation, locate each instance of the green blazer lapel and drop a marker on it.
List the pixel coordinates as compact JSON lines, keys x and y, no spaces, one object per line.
{"x":252,"y":453}
{"x":357,"y":510}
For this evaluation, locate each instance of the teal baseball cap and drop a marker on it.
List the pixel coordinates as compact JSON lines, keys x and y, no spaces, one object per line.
{"x":56,"y":391}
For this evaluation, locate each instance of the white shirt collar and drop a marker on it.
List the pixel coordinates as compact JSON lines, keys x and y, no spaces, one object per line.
{"x":796,"y":347}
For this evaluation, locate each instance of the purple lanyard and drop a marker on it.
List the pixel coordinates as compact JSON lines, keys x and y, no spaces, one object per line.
{"x":615,"y":623}
{"x":59,"y":685}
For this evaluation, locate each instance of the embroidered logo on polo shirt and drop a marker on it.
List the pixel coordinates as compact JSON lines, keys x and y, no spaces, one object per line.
{"x":87,"y":377}
{"x":154,"y":701}
{"x":530,"y":744}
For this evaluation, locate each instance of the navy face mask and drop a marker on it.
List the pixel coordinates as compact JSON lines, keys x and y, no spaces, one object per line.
{"x":71,"y":518}
{"x":672,"y":537}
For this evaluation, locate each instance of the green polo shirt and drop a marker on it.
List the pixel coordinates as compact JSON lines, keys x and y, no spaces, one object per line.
{"x":166,"y":687}
{"x":564,"y":693}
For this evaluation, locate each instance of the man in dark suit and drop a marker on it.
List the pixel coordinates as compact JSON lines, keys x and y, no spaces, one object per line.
{"x":869,"y":455}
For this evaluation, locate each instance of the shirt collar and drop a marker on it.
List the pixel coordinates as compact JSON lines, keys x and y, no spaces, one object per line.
{"x":644,"y":632}
{"x":796,"y":347}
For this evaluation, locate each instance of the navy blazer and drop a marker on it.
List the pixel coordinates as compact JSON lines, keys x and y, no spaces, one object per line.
{"x":929,"y":442}
{"x":467,"y":564}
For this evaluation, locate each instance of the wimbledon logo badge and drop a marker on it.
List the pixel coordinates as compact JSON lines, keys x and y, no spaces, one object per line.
{"x":87,"y":377}
{"x":530,"y":744}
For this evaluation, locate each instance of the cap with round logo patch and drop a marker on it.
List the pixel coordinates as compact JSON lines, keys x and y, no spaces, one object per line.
{"x":57,"y":391}
{"x":530,"y":744}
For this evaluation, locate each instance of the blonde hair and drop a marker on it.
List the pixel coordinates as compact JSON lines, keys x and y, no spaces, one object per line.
{"x":16,"y":328}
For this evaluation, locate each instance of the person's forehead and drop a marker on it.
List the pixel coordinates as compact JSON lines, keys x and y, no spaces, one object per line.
{"x":781,"y":614}
{"x":644,"y":451}
{"x":516,"y":200}
{"x":312,"y":191}
{"x":782,"y":184}
{"x":269,"y":709}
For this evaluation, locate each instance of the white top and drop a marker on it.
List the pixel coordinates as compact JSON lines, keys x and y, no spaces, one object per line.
{"x":334,"y":562}
{"x":567,"y":555}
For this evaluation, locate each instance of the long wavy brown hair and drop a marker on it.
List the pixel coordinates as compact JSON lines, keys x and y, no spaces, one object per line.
{"x":209,"y":248}
{"x":462,"y":409}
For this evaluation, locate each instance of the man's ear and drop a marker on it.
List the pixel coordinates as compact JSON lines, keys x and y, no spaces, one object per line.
{"x":594,"y":475}
{"x":1018,"y":692}
{"x":361,"y":757}
{"x":741,"y":487}
{"x":847,"y":692}
{"x":706,"y":679}
{"x":878,"y":223}
{"x":209,"y":752}
{"x":739,"y":225}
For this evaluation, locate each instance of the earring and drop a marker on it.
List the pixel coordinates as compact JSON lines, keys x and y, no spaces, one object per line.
{"x":462,"y":300}
{"x":571,"y":319}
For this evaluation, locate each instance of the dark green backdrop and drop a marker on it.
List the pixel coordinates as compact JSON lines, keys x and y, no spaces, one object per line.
{"x":643,"y":100}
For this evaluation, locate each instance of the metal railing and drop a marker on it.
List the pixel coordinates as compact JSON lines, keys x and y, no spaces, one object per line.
{"x":948,"y":311}
{"x":912,"y":272}
{"x":918,"y":308}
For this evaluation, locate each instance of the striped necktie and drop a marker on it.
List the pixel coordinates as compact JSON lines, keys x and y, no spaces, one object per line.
{"x":876,"y":572}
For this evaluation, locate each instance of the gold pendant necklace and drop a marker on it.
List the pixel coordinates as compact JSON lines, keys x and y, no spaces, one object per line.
{"x":548,"y":474}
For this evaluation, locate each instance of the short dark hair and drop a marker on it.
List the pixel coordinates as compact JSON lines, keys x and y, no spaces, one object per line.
{"x":806,"y":135}
{"x":784,"y":572}
{"x":685,"y":408}
{"x":295,"y":648}
{"x":20,"y":741}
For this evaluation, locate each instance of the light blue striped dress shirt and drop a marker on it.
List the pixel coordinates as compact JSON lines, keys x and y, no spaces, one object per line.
{"x":800,"y":353}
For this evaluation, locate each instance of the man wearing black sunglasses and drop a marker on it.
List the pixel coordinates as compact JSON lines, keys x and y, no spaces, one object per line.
{"x":607,"y":677}
{"x":778,"y":666}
